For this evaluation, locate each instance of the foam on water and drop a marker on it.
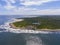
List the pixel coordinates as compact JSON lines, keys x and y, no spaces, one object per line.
{"x":8,"y":29}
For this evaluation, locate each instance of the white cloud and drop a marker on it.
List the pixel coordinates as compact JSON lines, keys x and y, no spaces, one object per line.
{"x":13,"y":10}
{"x":12,"y":1}
{"x":9,"y":6}
{"x":35,"y":2}
{"x":26,"y":3}
{"x":23,"y":11}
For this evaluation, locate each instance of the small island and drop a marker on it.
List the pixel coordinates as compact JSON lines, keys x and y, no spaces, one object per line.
{"x":37,"y":23}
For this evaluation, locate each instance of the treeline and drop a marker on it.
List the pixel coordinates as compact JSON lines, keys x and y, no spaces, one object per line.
{"x":46,"y":22}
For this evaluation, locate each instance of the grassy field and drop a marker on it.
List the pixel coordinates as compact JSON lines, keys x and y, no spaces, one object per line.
{"x":42,"y":22}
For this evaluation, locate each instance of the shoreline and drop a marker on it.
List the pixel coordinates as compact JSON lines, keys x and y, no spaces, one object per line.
{"x":10,"y":28}
{"x":14,"y":27}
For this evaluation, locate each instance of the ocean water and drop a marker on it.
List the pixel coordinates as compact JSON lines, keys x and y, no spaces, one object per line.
{"x":9,"y":38}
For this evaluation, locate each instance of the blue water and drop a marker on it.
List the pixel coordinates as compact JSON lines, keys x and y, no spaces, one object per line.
{"x":8,"y":38}
{"x":5,"y":18}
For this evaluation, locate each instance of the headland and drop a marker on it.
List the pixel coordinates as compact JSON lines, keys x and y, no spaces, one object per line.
{"x":42,"y":23}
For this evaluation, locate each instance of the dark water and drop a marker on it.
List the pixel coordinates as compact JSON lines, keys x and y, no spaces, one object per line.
{"x":7,"y":38}
{"x":29,"y":39}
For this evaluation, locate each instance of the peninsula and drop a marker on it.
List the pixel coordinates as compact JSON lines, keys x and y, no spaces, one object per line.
{"x":40,"y":22}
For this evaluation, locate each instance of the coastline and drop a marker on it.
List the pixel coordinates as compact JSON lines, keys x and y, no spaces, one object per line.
{"x":11,"y":28}
{"x":14,"y":27}
{"x":14,"y":20}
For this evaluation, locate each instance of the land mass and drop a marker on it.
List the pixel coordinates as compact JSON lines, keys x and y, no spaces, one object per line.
{"x":41,"y":22}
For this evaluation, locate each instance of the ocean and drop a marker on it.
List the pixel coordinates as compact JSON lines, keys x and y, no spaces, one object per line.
{"x":9,"y":38}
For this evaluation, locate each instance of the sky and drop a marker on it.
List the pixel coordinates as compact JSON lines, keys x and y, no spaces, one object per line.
{"x":29,"y":7}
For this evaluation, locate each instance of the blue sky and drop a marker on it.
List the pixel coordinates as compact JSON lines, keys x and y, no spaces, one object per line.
{"x":29,"y":7}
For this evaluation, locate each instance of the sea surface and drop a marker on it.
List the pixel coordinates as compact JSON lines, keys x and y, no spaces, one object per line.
{"x":9,"y":38}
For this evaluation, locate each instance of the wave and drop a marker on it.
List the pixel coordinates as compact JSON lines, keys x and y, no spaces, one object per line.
{"x":6,"y":28}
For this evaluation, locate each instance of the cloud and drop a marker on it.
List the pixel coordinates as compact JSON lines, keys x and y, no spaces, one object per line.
{"x":25,"y":3}
{"x":13,"y":7}
{"x":36,"y":2}
{"x":12,"y":4}
{"x":12,"y":1}
{"x":23,"y":11}
{"x":8,"y":4}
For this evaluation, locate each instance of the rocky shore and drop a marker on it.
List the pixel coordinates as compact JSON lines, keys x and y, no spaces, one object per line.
{"x":14,"y":27}
{"x":11,"y":28}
